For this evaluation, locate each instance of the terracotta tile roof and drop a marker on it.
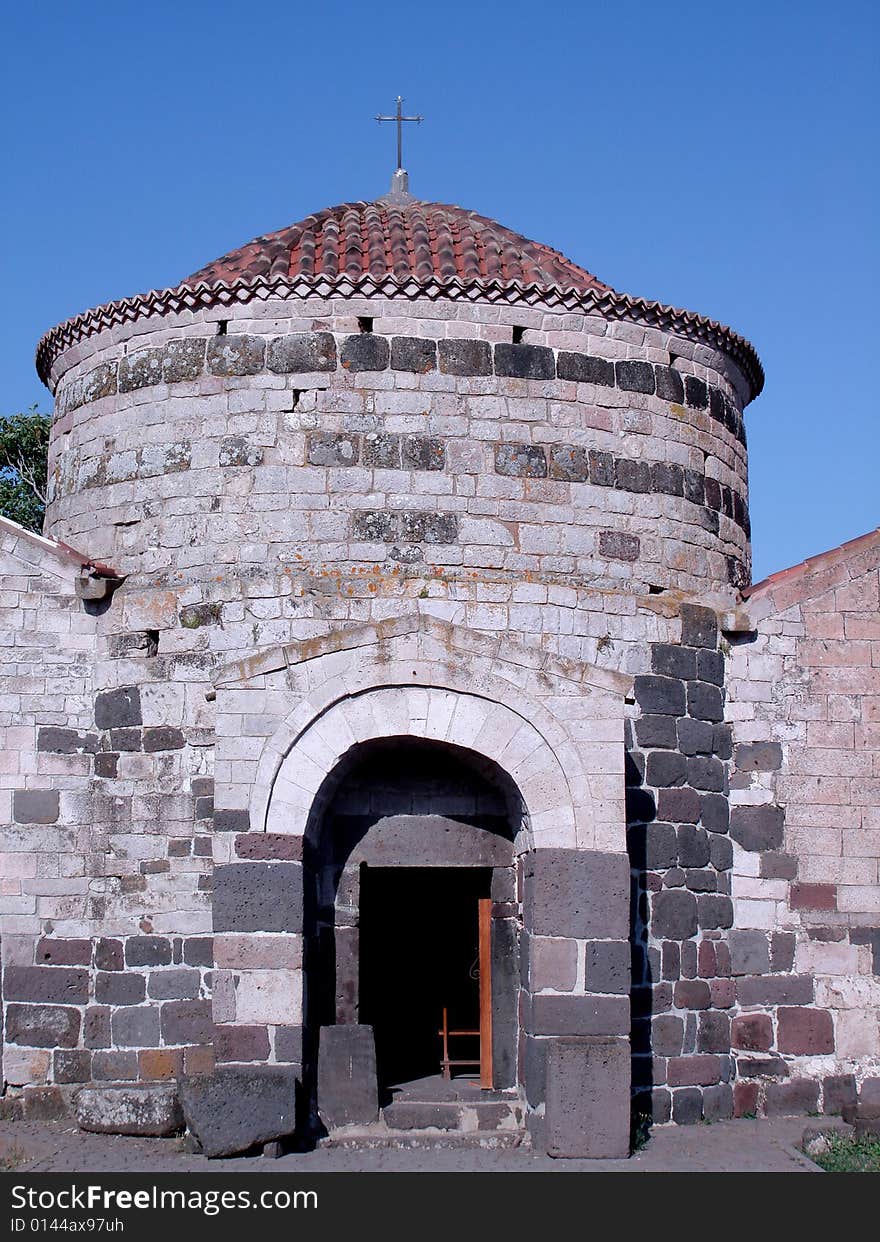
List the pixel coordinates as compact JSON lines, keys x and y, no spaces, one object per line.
{"x":40,"y":545}
{"x":818,"y":574}
{"x":417,"y":240}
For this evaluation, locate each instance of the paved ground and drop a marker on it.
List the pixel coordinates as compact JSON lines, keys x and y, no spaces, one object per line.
{"x":727,"y":1146}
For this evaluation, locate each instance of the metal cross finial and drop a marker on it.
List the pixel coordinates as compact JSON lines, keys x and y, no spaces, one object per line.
{"x":400,"y":118}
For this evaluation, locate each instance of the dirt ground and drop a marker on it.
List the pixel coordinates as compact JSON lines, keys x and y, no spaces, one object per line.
{"x":726,"y":1146}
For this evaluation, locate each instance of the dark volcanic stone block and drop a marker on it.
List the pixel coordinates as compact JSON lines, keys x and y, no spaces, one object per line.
{"x":241,"y":1043}
{"x":585,"y":370}
{"x":656,"y":731}
{"x":187,"y":1022}
{"x":670,"y":385}
{"x":231,"y":1110}
{"x":705,"y":701}
{"x":577,"y":894}
{"x":839,"y":1094}
{"x":752,"y":1032}
{"x":302,"y":352}
{"x":654,"y":845}
{"x":782,"y":946}
{"x":710,"y":667}
{"x":695,"y":737}
{"x":713,"y":1031}
{"x":578,"y":1015}
{"x":35,"y":806}
{"x":236,"y":355}
{"x":179,"y":984}
{"x":569,"y":462}
{"x":257,"y":896}
{"x":72,"y":1065}
{"x":694,"y":487}
{"x":667,"y":479}
{"x":116,"y":709}
{"x":775,"y":990}
{"x":46,"y":985}
{"x":665,"y":768}
{"x":699,"y":626}
{"x":382,"y":449}
{"x":59,"y":951}
{"x":749,"y":952}
{"x":791,"y":1099}
{"x":601,"y":468}
{"x":693,"y":846}
{"x":423,"y":453}
{"x":714,"y":910}
{"x":692,"y":994}
{"x":365,"y":352}
{"x":696,"y":392}
{"x":667,"y":1032}
{"x":413,"y":353}
{"x":348,"y":1092}
{"x":607,"y":966}
{"x":671,"y":660}
{"x":588,"y":1098}
{"x":700,"y":1070}
{"x":674,"y":914}
{"x":803,"y":1031}
{"x":718,"y":1102}
{"x":687,"y":1106}
{"x":660,"y":695}
{"x":714,"y":812}
{"x":616,"y":545}
{"x":329,"y":448}
{"x":148,"y":951}
{"x":525,"y":461}
{"x":758,"y":828}
{"x":183,"y":360}
{"x":465,"y":357}
{"x":42,"y":1026}
{"x":634,"y":376}
{"x":136,"y":1027}
{"x":720,"y":852}
{"x":525,"y":361}
{"x":706,"y":772}
{"x":632,"y":476}
{"x":120,"y":988}
{"x":679,"y":805}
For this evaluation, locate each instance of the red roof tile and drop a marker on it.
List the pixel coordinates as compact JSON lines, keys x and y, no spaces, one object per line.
{"x":417,"y":240}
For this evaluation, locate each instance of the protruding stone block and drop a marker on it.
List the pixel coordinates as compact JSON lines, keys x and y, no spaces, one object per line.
{"x":145,"y":1111}
{"x":232,"y":1110}
{"x":588,"y":1090}
{"x":348,"y":1091}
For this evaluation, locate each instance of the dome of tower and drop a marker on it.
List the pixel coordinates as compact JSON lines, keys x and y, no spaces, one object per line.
{"x":401,"y":237}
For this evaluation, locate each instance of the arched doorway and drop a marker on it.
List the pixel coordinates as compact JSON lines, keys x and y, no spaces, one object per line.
{"x":409,"y":844}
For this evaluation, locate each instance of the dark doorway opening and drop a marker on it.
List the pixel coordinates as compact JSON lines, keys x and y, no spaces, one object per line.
{"x":419,"y":954}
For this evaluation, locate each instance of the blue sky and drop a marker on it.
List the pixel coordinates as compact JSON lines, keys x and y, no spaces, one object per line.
{"x":718,"y":157}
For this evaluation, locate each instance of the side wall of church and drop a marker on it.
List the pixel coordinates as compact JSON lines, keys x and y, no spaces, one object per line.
{"x":804,"y":701}
{"x":47,"y":848}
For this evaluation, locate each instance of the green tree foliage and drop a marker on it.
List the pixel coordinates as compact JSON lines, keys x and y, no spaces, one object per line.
{"x":24,"y":442}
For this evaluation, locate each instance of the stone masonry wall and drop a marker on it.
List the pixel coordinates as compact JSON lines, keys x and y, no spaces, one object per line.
{"x":804,"y":700}
{"x":680,"y":852}
{"x":46,"y":848}
{"x":431,"y":442}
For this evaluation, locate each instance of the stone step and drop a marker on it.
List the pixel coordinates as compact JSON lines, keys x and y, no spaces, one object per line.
{"x":359,"y":1137}
{"x":459,"y":1115}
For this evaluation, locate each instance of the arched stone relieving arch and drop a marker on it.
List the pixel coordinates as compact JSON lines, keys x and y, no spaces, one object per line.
{"x":554,"y":727}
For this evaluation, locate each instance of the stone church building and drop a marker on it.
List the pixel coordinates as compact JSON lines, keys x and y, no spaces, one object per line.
{"x":389,"y":668}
